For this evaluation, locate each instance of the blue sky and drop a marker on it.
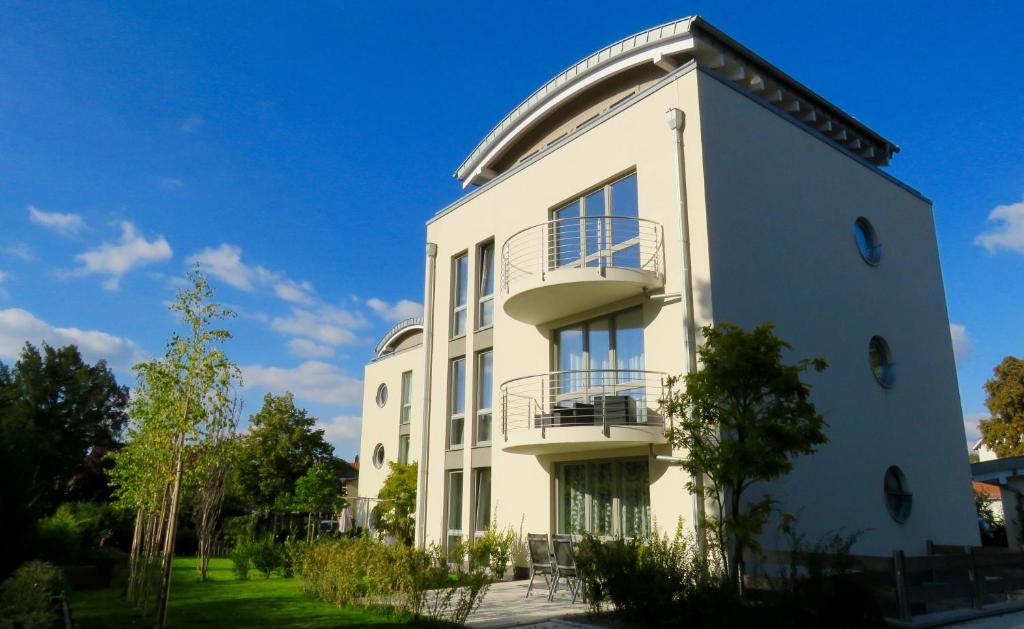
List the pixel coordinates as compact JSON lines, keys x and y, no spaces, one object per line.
{"x":298,"y":148}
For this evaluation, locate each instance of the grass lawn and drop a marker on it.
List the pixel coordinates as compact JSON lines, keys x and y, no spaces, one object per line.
{"x":224,"y":601}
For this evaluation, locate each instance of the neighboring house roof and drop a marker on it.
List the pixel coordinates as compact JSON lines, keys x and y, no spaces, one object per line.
{"x":998,"y":470}
{"x":667,"y":46}
{"x":987,"y":489}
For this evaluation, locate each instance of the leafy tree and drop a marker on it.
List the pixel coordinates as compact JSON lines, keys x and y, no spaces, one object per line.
{"x":741,"y":419}
{"x":318,"y":491}
{"x":282,"y":444}
{"x":398,"y":502}
{"x":55,"y":409}
{"x":1003,"y":432}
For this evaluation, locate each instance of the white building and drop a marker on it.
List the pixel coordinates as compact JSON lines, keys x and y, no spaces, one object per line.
{"x":671,"y":180}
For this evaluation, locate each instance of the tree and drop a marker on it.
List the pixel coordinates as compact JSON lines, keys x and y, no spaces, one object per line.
{"x":68,"y":407}
{"x":741,"y":419}
{"x":1003,"y":432}
{"x":398,"y":502}
{"x":283,"y":442}
{"x":318,"y":491}
{"x":181,"y":400}
{"x":55,"y":410}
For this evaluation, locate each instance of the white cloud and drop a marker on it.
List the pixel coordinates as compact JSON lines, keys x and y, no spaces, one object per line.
{"x":398,"y":311}
{"x":1008,"y":234}
{"x":326,"y":324}
{"x":962,"y":345}
{"x":313,"y":381}
{"x":115,"y":260}
{"x":341,"y":428}
{"x":171,"y":183}
{"x":971,"y":429}
{"x":295,"y":292}
{"x":63,"y":223}
{"x":192,"y":124}
{"x":309,"y":349}
{"x":18,"y":326}
{"x":225,"y":263}
{"x":21,"y":251}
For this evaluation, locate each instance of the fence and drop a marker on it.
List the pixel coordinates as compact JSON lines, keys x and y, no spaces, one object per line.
{"x":947,"y":578}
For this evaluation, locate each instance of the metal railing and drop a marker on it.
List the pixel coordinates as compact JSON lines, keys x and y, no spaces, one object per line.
{"x":583,"y":242}
{"x":591,"y":397}
{"x":401,"y":325}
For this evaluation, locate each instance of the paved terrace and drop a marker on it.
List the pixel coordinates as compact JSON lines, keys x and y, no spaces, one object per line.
{"x":506,"y":605}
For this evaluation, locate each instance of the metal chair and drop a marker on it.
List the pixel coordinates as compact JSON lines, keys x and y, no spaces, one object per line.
{"x":565,"y":567}
{"x":540,"y":560}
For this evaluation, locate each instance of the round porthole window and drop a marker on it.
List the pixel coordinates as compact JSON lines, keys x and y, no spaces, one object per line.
{"x":881,"y":361}
{"x":382,"y":395}
{"x":867,"y":241}
{"x":898,"y":499}
{"x":378,"y":456}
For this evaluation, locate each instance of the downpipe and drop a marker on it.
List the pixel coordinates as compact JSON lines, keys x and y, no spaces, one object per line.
{"x":428,"y":352}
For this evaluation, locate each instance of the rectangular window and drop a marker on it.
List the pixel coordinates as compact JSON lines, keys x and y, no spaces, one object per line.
{"x":485,"y":312}
{"x":599,"y":228}
{"x":600,"y":365}
{"x":460,"y":294}
{"x":482,"y":493}
{"x":454,"y":516}
{"x":605,"y":498}
{"x":403,"y":449}
{"x":484,"y":395}
{"x":457,"y":388}
{"x":406,"y":397}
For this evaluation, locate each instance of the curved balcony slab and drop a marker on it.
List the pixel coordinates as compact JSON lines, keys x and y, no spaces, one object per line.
{"x":564,"y":439}
{"x":565,"y":291}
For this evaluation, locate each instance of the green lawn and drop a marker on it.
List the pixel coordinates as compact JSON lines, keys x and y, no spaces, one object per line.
{"x":224,"y":601}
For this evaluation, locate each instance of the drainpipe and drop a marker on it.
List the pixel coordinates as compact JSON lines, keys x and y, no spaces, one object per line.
{"x":677,"y":123}
{"x":428,"y":352}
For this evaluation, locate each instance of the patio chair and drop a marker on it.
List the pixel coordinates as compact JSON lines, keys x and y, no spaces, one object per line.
{"x":565,"y":567}
{"x":540,"y":560}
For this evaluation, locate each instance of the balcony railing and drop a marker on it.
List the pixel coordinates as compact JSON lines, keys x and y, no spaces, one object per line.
{"x":594,"y":397}
{"x":599,"y":242}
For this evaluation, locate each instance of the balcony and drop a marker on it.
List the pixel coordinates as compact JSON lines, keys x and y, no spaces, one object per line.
{"x":566,"y":266}
{"x":577,"y":411}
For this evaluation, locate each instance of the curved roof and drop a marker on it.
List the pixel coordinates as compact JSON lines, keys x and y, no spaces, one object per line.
{"x":667,"y":46}
{"x":399,"y":331}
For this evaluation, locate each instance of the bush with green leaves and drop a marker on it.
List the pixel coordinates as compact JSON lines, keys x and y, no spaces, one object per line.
{"x":266,"y":555}
{"x":367,"y":573}
{"x":241,"y":555}
{"x":30,"y":599}
{"x":492,"y":550}
{"x":73,"y":534}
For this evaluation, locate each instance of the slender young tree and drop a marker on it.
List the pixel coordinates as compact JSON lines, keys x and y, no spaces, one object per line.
{"x":213,"y":456}
{"x":741,"y":419}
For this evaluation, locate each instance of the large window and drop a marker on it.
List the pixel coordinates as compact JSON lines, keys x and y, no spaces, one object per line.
{"x":406,"y":397}
{"x":609,"y":498}
{"x":485,"y":312}
{"x":482,"y":495}
{"x":601,"y":357}
{"x":403,"y":449}
{"x":460,"y":294}
{"x":457,"y":389}
{"x":599,"y":229}
{"x":453,"y":518}
{"x":484,"y":395}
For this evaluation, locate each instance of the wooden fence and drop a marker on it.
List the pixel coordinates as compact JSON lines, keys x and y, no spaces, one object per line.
{"x":945,"y":579}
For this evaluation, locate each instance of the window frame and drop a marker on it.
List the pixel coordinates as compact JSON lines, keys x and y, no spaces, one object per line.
{"x":405,"y":410}
{"x":404,"y":442}
{"x":604,"y":254}
{"x":483,"y":298}
{"x":383,"y":456}
{"x":885,"y":376}
{"x":450,"y":478}
{"x":478,"y":530}
{"x":460,"y":277}
{"x":481,"y":410}
{"x":616,"y":505}
{"x":873,"y":253}
{"x":453,"y":403}
{"x":904,"y":507}
{"x":611,"y":319}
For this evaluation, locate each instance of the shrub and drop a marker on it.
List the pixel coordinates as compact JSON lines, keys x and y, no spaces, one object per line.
{"x":75,"y":531}
{"x":30,"y":599}
{"x":266,"y":556}
{"x":492,"y":551}
{"x":241,"y":558}
{"x":365,"y":572}
{"x":239,"y":528}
